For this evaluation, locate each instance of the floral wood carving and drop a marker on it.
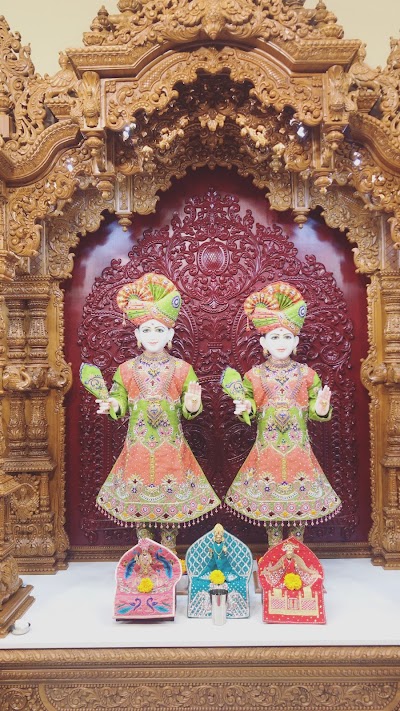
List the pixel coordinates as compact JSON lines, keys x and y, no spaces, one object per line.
{"x":83,"y":216}
{"x":343,"y":678}
{"x":47,"y":196}
{"x":275,"y":89}
{"x":27,"y":137}
{"x":211,"y":695}
{"x":147,"y":22}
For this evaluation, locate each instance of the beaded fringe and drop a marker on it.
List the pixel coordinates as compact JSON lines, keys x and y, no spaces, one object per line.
{"x":156,"y":524}
{"x":242,"y":517}
{"x":301,"y":522}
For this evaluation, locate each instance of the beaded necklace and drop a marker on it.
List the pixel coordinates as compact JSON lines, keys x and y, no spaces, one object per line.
{"x":274,"y":377}
{"x":153,"y":375}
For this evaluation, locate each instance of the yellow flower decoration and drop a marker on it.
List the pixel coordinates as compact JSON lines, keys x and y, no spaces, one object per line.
{"x":183,"y":565}
{"x":145,"y":585}
{"x":217,"y":577}
{"x":292,"y":581}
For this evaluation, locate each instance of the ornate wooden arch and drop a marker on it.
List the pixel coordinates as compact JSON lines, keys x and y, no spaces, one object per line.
{"x":272,"y":90}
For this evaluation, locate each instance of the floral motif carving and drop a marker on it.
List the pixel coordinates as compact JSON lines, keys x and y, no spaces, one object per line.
{"x":313,"y":677}
{"x":156,"y":91}
{"x":390,"y":82}
{"x":84,"y":215}
{"x":239,"y":695}
{"x":47,"y":196}
{"x":22,"y":698}
{"x":362,"y":230}
{"x":146,"y":22}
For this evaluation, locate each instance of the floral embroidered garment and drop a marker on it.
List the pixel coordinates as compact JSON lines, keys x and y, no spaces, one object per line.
{"x":281,"y":479}
{"x":156,"y":478}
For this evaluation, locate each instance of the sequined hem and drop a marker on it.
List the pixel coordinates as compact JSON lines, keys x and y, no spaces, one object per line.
{"x":260,"y":521}
{"x":167,"y":523}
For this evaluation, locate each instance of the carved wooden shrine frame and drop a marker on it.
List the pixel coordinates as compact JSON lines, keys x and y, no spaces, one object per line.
{"x":312,"y":124}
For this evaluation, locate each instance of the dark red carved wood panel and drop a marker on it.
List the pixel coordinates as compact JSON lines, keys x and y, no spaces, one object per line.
{"x":216,"y":239}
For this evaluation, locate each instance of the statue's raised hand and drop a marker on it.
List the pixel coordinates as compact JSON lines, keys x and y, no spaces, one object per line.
{"x":323,"y":401}
{"x":192,"y":398}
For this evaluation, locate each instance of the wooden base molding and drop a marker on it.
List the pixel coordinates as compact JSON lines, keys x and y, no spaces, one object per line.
{"x":298,"y":678}
{"x":15,"y":608}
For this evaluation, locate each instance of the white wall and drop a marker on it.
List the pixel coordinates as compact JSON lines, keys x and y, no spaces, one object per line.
{"x":53,"y":26}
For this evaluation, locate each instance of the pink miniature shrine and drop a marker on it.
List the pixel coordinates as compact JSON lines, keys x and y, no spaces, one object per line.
{"x":291,"y":578}
{"x":146,"y":577}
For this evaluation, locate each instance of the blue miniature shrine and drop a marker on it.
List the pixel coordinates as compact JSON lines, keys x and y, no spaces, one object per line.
{"x":229,"y":562}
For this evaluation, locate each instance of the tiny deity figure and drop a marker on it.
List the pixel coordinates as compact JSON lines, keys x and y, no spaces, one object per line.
{"x":156,"y":480}
{"x":281,"y":481}
{"x":219,"y":554}
{"x":291,"y":564}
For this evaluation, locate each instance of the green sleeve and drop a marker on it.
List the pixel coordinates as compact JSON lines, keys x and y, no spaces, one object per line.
{"x":190,"y":378}
{"x":119,"y":392}
{"x":249,"y":395}
{"x":313,"y":391}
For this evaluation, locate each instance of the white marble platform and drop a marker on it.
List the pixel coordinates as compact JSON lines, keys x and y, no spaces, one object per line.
{"x":74,"y":609}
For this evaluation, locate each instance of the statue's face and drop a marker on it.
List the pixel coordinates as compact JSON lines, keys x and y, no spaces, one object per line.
{"x":153,"y":335}
{"x":145,"y":559}
{"x":280,"y":343}
{"x":219,"y":535}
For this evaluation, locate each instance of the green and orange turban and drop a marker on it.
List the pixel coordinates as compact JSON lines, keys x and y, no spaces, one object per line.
{"x":153,"y":296}
{"x":277,"y":305}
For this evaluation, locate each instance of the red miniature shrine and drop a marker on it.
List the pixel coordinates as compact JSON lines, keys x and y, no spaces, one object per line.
{"x":291,"y":577}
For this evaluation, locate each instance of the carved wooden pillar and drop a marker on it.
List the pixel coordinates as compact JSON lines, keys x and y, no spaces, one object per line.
{"x":390,"y":295}
{"x":37,"y":428}
{"x":16,"y":329}
{"x":17,"y":445}
{"x":26,"y":381}
{"x":15,"y":378}
{"x":14,"y":597}
{"x":37,"y":339}
{"x":37,"y":336}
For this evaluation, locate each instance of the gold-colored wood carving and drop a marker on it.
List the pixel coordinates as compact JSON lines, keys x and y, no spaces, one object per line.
{"x":272,"y":90}
{"x":14,"y":597}
{"x":342,"y":679}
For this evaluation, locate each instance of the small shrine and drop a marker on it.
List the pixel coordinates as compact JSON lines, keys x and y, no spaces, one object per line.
{"x":291,"y":578}
{"x":219,"y":560}
{"x":146,"y":578}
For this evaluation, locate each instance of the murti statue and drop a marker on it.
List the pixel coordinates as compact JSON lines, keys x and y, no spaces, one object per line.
{"x":281,"y":481}
{"x":219,"y":552}
{"x":156,"y":480}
